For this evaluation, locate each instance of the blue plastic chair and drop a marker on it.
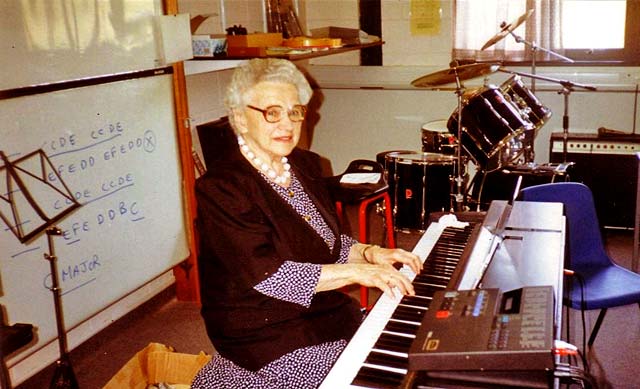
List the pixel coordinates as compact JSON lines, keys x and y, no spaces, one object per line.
{"x":606,"y":284}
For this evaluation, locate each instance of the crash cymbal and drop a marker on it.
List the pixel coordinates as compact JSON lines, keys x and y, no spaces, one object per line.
{"x":463,"y":72}
{"x":506,"y":29}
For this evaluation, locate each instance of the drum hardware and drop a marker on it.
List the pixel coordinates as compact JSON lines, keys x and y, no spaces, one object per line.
{"x":505,"y":183}
{"x":507,"y":29}
{"x":457,"y":74}
{"x":567,"y":88}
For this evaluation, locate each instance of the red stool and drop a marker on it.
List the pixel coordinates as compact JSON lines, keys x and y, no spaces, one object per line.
{"x":364,"y":195}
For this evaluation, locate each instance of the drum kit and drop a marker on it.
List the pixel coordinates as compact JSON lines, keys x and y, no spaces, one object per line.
{"x":492,"y":127}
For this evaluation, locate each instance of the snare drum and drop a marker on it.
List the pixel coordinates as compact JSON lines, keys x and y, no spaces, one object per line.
{"x":437,"y":139}
{"x":421,"y":184}
{"x":489,"y":122}
{"x":526,"y":101}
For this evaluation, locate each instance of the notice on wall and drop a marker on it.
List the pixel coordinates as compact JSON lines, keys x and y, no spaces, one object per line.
{"x":425,"y":17}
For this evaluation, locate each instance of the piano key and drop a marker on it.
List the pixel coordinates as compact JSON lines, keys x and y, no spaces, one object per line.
{"x":425,"y":289}
{"x":373,"y":378}
{"x":416,"y":301}
{"x":403,"y":327}
{"x":382,"y":359}
{"x":391,"y":342}
{"x":408,"y":313}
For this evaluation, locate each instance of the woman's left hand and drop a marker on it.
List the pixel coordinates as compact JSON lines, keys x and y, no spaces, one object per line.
{"x":380,"y":255}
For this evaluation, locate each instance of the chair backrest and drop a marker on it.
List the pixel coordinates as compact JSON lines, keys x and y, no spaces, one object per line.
{"x":215,"y":137}
{"x":585,"y":239}
{"x":364,"y":166}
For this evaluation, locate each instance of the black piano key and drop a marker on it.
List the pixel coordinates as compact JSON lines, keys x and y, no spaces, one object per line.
{"x":426,"y":290}
{"x":431,"y":279}
{"x":416,"y":301}
{"x":401,"y":327}
{"x":376,"y":378}
{"x":446,"y":256}
{"x":382,"y":359}
{"x":453,"y":247}
{"x":408,"y":313}
{"x":390,"y":342}
{"x":436,"y":267}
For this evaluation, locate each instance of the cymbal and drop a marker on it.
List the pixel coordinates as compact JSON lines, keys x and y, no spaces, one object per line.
{"x":463,"y":72}
{"x":507,"y":29}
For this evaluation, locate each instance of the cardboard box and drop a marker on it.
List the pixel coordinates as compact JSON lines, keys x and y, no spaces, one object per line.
{"x":271,"y":39}
{"x":208,"y":45}
{"x":157,"y":364}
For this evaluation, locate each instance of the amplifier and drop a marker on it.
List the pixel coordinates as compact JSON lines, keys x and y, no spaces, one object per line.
{"x":608,"y":165}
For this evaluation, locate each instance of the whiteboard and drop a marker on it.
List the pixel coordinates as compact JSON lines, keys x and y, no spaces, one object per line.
{"x":115,"y":147}
{"x":46,"y":41}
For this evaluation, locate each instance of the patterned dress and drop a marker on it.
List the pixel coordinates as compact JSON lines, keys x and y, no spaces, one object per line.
{"x":293,"y":282}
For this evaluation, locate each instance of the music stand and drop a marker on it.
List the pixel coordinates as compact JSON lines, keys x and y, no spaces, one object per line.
{"x":26,"y":200}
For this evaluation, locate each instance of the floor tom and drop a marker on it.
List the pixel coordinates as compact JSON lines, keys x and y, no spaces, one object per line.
{"x":422,"y":183}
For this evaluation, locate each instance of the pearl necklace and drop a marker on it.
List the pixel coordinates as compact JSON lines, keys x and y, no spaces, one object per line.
{"x":264,"y":167}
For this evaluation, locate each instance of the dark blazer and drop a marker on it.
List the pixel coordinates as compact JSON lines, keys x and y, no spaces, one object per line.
{"x":246,"y":232}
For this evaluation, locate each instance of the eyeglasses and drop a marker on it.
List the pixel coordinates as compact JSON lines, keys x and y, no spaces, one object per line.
{"x":274,"y":113}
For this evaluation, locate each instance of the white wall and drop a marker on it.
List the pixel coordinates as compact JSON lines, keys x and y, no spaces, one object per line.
{"x":359,"y":123}
{"x":388,"y":113}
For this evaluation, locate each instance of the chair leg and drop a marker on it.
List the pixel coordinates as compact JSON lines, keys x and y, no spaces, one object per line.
{"x":596,"y":327}
{"x":388,"y":216}
{"x":339,"y":210}
{"x":362,"y":236}
{"x":364,"y":230}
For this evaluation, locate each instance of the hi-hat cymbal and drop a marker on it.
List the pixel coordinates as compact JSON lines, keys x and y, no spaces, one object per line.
{"x":507,"y":29}
{"x":463,"y":72}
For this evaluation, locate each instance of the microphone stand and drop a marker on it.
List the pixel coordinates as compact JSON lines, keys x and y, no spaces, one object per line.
{"x":534,"y":50}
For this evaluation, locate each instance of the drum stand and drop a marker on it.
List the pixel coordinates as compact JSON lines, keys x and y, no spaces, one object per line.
{"x":459,"y":195}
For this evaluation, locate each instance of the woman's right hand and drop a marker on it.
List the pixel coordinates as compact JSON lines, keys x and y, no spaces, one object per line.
{"x":382,"y":276}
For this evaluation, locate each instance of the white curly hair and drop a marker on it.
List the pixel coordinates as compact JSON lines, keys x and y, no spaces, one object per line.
{"x":258,"y":70}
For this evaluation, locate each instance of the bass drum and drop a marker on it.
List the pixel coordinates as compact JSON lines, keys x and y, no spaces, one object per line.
{"x":422,"y":184}
{"x":489,"y":122}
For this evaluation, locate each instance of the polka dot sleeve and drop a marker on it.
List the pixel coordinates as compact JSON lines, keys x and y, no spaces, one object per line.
{"x":347,"y":242}
{"x":294,"y":282}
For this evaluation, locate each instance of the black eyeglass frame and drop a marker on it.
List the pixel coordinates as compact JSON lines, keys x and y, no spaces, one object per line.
{"x":289,"y":111}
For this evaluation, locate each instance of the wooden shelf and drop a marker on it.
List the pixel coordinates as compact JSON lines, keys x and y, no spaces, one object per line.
{"x":323,"y":53}
{"x":203,"y":65}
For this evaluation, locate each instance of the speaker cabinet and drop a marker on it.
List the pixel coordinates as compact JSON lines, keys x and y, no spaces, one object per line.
{"x":608,"y":165}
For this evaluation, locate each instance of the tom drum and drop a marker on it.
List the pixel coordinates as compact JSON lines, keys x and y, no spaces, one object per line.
{"x":526,"y":101}
{"x":489,"y":122}
{"x":437,"y":139}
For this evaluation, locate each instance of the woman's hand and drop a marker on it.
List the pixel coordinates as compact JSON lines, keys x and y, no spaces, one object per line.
{"x":382,"y":276}
{"x":380,"y":255}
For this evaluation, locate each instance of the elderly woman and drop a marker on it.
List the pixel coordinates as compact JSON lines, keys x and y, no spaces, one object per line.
{"x":272,"y":252}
